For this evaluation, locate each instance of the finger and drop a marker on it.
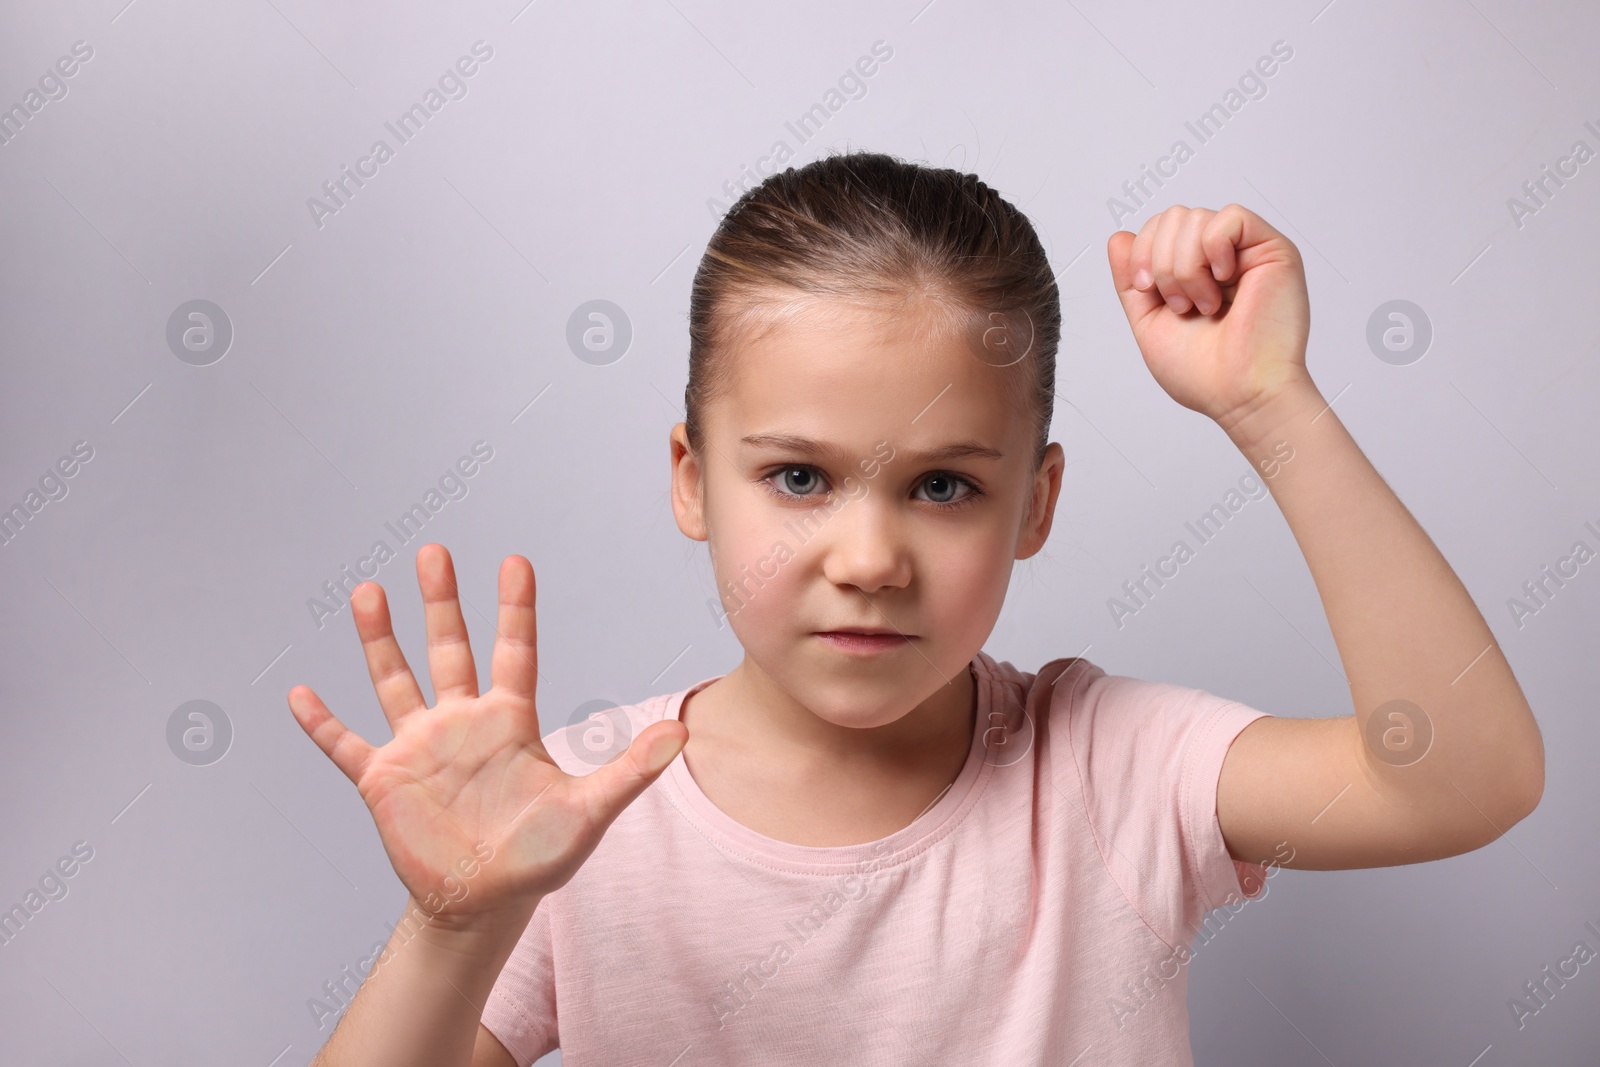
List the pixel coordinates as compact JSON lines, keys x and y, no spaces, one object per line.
{"x":612,"y":787}
{"x":346,"y":748}
{"x":1136,"y":303}
{"x":450,"y":664}
{"x":1192,"y":266}
{"x":515,"y":663}
{"x":1217,"y":239}
{"x":1143,"y":247}
{"x":1163,"y":259}
{"x":397,"y":690}
{"x":1245,"y":232}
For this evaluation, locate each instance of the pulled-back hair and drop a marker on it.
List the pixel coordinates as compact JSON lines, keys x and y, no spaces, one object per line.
{"x":865,"y":225}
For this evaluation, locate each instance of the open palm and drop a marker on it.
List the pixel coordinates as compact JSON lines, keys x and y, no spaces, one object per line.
{"x":475,"y":816}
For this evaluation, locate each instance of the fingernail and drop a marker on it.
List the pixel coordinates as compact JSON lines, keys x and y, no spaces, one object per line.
{"x":1177,"y":303}
{"x":1142,"y":279}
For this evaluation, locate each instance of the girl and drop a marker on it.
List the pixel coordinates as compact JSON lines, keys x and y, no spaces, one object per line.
{"x":874,"y":843}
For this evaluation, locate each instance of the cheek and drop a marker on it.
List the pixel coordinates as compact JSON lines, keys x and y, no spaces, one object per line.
{"x":966,"y":582}
{"x":755,"y":564}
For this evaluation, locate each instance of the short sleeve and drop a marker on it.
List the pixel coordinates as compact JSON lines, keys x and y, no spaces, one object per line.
{"x":1148,"y":757}
{"x":521,"y":1009}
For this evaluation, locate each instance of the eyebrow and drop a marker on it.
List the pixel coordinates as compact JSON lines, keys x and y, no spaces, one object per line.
{"x":943,"y":453}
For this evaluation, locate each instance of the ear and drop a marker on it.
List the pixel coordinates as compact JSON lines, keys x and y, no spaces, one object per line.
{"x":1041,"y":508}
{"x":688,"y":486}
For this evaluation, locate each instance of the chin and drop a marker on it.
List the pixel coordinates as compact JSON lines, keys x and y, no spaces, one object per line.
{"x":857,"y":703}
{"x":860,"y":718}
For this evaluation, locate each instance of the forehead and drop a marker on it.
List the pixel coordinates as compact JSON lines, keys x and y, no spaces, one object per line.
{"x":903,"y":369}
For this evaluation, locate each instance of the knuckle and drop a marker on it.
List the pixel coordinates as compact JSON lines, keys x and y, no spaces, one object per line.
{"x":447,"y":639}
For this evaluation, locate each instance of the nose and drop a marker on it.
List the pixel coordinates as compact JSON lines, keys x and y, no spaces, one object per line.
{"x":865,"y":546}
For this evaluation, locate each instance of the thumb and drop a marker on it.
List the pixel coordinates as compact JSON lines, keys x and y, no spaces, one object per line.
{"x":619,"y":783}
{"x":1136,"y":304}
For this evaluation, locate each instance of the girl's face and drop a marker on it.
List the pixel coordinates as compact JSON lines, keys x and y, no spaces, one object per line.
{"x":865,"y":468}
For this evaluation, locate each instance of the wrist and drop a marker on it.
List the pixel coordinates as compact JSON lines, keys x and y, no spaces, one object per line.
{"x":475,"y":934}
{"x":1250,"y":426}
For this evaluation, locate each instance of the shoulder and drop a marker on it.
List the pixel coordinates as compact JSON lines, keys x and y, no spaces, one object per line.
{"x":1141,"y":760}
{"x":1062,"y":691}
{"x":1055,"y":681}
{"x":1077,"y":700}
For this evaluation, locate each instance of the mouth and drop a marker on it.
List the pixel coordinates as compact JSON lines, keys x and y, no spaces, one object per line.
{"x":868,"y":642}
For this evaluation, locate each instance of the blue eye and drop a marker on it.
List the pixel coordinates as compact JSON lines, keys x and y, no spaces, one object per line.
{"x":949,"y":483}
{"x":809,"y":478}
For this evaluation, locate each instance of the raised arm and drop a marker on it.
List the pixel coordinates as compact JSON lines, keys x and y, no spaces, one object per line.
{"x":477,"y":819}
{"x":1442,"y":754}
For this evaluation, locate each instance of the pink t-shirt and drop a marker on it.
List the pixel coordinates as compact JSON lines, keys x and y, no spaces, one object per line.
{"x":1039,"y":912}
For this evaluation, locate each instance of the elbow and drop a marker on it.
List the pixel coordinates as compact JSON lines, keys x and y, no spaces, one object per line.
{"x":1531,"y":777}
{"x":1531,"y":794}
{"x":1521,"y":794}
{"x":1517,"y":795}
{"x":1518,"y":767}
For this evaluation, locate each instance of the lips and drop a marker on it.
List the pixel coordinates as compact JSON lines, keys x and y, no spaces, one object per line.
{"x":863,"y":643}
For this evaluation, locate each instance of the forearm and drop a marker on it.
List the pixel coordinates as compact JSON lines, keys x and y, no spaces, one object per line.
{"x":1403,"y":622}
{"x":421,"y":1003}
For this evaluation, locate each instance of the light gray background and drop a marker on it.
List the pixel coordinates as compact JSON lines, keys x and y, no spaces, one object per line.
{"x":430,"y":312}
